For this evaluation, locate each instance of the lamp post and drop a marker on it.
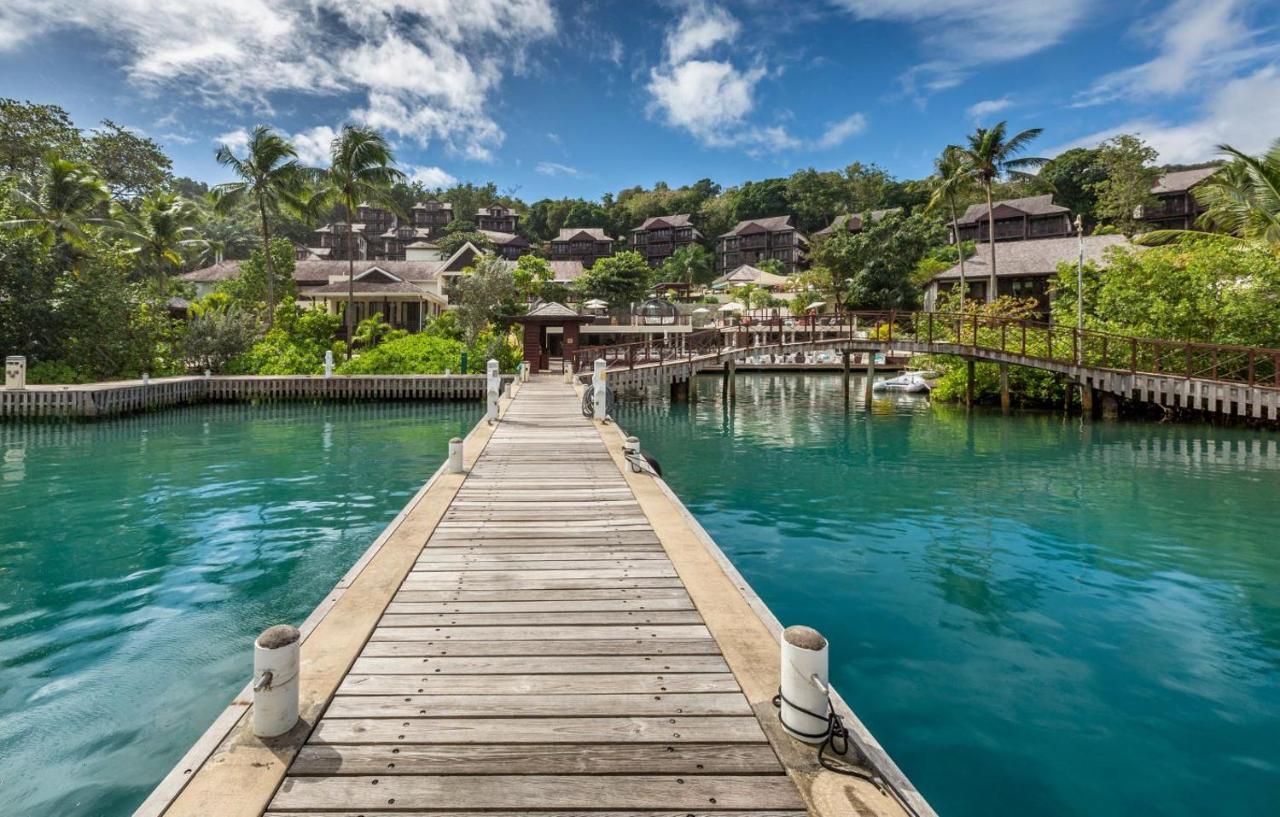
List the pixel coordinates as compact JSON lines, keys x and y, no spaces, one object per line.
{"x":1079,"y":284}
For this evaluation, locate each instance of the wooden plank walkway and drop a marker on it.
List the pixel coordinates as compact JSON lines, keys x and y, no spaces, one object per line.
{"x":542,"y":655}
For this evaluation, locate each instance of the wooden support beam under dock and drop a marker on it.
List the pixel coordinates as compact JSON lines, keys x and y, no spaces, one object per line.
{"x":561,"y":641}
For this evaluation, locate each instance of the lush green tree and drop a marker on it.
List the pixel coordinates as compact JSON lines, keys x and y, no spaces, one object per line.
{"x":1243,"y":198}
{"x":1212,"y":290}
{"x":295,"y":343}
{"x":1074,"y":176}
{"x":270,"y":177}
{"x":874,"y":269}
{"x":215,"y":337}
{"x":67,"y":198}
{"x":130,"y":164}
{"x":989,"y":155}
{"x":359,"y":171}
{"x":692,"y":264}
{"x":1126,"y":162}
{"x":451,"y":242}
{"x":29,"y":132}
{"x":531,"y":276}
{"x":620,"y":279}
{"x":814,"y":197}
{"x":951,"y":180}
{"x":30,"y":323}
{"x":374,"y":330}
{"x":160,"y":233}
{"x":249,"y":289}
{"x":759,"y":199}
{"x":468,"y":198}
{"x":486,"y":291}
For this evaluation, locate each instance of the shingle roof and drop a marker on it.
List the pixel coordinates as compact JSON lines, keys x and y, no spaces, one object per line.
{"x":1182,"y":180}
{"x":502,"y":211}
{"x":853,"y":221}
{"x":771,"y":223}
{"x":552,"y":309}
{"x":503,"y":239}
{"x":566,"y":271}
{"x":443,"y":205}
{"x":595,"y":233}
{"x":366,"y":287}
{"x":681,"y":220}
{"x":319,"y":272}
{"x":1037,"y":256}
{"x":1031,"y":205}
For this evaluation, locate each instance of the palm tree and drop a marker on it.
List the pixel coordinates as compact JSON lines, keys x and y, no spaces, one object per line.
{"x":359,"y":171}
{"x":953,"y":179}
{"x":990,"y":156}
{"x":269,"y":177}
{"x":160,"y":231}
{"x":69,"y":196}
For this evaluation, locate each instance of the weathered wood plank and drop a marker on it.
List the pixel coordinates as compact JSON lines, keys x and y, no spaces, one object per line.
{"x":537,"y":665}
{"x":580,"y":594}
{"x":552,"y":606}
{"x":651,"y":684}
{"x":527,"y":706}
{"x":585,"y":646}
{"x":394,"y":619}
{"x":544,"y":633}
{"x":555,"y":759}
{"x":684,"y":729}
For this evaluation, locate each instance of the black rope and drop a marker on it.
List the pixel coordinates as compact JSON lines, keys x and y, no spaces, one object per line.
{"x":836,"y":738}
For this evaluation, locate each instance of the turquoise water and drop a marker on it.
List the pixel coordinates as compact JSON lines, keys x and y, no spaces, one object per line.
{"x":139,"y":557}
{"x":1034,"y":616}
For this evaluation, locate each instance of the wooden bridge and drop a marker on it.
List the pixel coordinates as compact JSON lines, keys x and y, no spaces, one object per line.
{"x":1233,"y":380}
{"x":549,"y":632}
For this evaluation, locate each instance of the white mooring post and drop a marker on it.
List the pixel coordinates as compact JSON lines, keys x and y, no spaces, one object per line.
{"x":568,"y":371}
{"x":275,"y":680}
{"x":207,"y":374}
{"x":455,"y":455}
{"x":15,"y":372}
{"x":600,"y":385}
{"x":804,"y":684}
{"x":494,"y":389}
{"x":631,"y":451}
{"x":328,"y":363}
{"x":146,"y":379}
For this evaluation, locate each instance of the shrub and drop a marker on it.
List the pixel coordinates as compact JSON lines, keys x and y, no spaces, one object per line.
{"x":295,"y":344}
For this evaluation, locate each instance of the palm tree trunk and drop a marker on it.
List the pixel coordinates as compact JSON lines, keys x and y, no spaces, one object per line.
{"x":266,"y":262}
{"x":964,"y":292}
{"x":351,"y":282}
{"x":991,"y":239}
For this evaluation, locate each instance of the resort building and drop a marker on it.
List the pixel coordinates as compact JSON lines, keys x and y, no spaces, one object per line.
{"x":378,"y":234}
{"x":432,"y":215}
{"x":659,"y":237}
{"x":747,"y":274}
{"x":1023,"y":268}
{"x":754,"y":240}
{"x":1176,"y":207}
{"x":1016,"y":220}
{"x":508,"y":245}
{"x":852,"y":222}
{"x":583,"y":244}
{"x":498,"y":219}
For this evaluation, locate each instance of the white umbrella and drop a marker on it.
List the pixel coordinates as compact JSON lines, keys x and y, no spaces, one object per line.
{"x":816,"y":305}
{"x":702,"y":310}
{"x":732,"y":306}
{"x":596,"y":303}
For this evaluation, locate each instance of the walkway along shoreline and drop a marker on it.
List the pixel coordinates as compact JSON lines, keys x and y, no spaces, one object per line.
{"x":230,"y":772}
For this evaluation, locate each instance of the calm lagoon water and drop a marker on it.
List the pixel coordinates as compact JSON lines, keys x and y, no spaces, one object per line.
{"x":1034,"y":615}
{"x":139,"y":557}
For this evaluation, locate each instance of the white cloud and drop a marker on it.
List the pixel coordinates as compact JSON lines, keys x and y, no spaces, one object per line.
{"x":962,"y":34}
{"x":988,"y":107}
{"x":702,"y":27}
{"x":837,"y":133}
{"x":313,"y":145}
{"x":236,"y":140}
{"x":1239,"y":113}
{"x":427,"y":69}
{"x":557,"y":169}
{"x":431,"y":177}
{"x":1199,"y":41}
{"x":709,"y":99}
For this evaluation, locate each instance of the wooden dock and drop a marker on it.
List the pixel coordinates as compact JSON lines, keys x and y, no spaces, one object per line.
{"x":545,"y":653}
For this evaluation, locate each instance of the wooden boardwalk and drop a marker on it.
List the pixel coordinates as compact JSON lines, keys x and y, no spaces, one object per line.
{"x":543,"y":655}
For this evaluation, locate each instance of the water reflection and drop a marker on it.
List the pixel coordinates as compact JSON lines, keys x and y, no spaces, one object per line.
{"x":1036,"y":615}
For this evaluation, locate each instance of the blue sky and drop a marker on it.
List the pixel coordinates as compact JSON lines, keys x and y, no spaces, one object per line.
{"x":555,"y":98}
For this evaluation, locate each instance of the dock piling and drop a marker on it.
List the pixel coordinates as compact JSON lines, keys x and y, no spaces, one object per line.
{"x":804,"y":688}
{"x":1006,"y":401}
{"x":455,"y":455}
{"x":275,"y":680}
{"x":494,"y":390}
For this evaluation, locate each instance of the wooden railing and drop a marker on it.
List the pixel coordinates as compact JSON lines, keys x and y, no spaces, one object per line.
{"x":953,"y":333}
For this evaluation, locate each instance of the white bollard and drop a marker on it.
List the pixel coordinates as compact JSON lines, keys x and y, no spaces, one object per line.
{"x":494,"y":390}
{"x":524,"y":372}
{"x":455,"y":456}
{"x":568,"y":372}
{"x":207,"y":374}
{"x":631,"y":451}
{"x":146,"y":379}
{"x":15,"y":372}
{"x":804,"y":684}
{"x":275,"y":680}
{"x":328,"y":363}
{"x":600,"y":385}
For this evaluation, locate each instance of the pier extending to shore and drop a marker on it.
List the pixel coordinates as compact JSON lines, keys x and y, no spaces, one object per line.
{"x":548,"y":631}
{"x":92,"y":400}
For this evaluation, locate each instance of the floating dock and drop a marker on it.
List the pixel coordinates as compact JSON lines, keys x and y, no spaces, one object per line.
{"x":549,"y":632}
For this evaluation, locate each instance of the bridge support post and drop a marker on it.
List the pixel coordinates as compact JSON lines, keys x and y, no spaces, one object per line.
{"x":679,"y":391}
{"x":968,"y":383}
{"x":871,"y":374}
{"x":1110,"y":406}
{"x":731,"y":379}
{"x":1086,"y":401}
{"x":845,"y":355}
{"x":1006,"y":401}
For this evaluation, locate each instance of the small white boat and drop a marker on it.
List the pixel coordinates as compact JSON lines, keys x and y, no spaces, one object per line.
{"x":909,"y":382}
